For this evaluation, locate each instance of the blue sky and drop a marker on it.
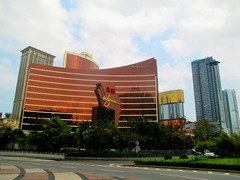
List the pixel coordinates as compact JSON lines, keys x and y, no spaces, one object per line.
{"x":117,"y":33}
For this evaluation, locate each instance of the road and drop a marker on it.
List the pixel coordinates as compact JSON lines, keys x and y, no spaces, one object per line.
{"x":29,"y":168}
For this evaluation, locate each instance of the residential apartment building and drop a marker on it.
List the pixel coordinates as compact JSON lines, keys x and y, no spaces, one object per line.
{"x":231,"y":111}
{"x":208,"y":92}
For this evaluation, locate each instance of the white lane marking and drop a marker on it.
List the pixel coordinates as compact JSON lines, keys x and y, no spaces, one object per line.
{"x":210,"y":172}
{"x":187,"y":177}
{"x":111,"y":170}
{"x":68,"y":167}
{"x":37,"y":163}
{"x":127,"y":167}
{"x":114,"y":165}
{"x":72,"y":163}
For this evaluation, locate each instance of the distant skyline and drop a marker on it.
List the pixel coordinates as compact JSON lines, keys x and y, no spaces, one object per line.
{"x":117,"y":34}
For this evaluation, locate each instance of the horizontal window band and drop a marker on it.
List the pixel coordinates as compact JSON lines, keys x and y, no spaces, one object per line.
{"x":140,"y":115}
{"x":65,"y":107}
{"x":125,"y":121}
{"x":94,"y":97}
{"x":30,"y":118}
{"x":85,"y":102}
{"x":28,"y":124}
{"x":91,"y":91}
{"x":88,"y":85}
{"x":97,"y":75}
{"x":78,"y":79}
{"x":49,"y":112}
{"x":33,"y":92}
{"x":142,"y":109}
{"x":53,"y":100}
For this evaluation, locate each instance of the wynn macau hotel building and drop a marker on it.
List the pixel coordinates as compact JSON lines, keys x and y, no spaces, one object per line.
{"x":74,"y":90}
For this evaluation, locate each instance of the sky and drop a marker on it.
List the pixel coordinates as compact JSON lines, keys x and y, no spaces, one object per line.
{"x":119,"y":33}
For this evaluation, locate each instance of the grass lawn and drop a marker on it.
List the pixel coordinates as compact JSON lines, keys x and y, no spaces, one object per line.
{"x":197,"y":162}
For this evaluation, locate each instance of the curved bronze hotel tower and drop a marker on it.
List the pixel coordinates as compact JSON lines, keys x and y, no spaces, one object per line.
{"x":74,"y":91}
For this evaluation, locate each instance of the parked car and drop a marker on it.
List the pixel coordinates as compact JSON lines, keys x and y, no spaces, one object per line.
{"x":210,"y":154}
{"x":69,"y":149}
{"x":195,"y":153}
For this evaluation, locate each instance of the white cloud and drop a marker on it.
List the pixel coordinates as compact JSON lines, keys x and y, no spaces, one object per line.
{"x":7,"y":78}
{"x":174,"y":77}
{"x":209,"y":29}
{"x":107,"y":29}
{"x":41,"y":24}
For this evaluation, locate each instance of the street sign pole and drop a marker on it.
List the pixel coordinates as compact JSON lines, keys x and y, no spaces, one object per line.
{"x":137,"y":147}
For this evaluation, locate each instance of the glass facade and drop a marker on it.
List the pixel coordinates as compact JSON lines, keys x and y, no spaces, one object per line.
{"x":171,"y":107}
{"x":69,"y":92}
{"x":171,"y":111}
{"x":79,"y":61}
{"x":208,"y":92}
{"x":231,"y":111}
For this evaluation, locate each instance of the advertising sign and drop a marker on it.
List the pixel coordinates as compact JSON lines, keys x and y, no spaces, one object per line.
{"x":108,"y":98}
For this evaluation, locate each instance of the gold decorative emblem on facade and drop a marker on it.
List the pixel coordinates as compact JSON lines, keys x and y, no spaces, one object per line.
{"x":135,"y":68}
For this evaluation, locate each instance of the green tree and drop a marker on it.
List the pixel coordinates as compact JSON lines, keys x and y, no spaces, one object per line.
{"x":37,"y":141}
{"x":121,"y":139}
{"x":58,"y":133}
{"x":101,"y":136}
{"x":181,"y":141}
{"x":224,"y":145}
{"x":7,"y":115}
{"x":162,"y":136}
{"x":205,"y":131}
{"x":81,"y":133}
{"x":11,"y":138}
{"x":236,"y":142}
{"x":5,"y":137}
{"x":152,"y":135}
{"x":202,"y":146}
{"x":141,"y":129}
{"x":18,"y":138}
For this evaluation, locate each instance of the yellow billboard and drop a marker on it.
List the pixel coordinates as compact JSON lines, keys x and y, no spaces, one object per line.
{"x":168,"y":97}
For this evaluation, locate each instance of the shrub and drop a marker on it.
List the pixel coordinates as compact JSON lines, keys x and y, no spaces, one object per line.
{"x":184,"y":156}
{"x":167,"y":157}
{"x":195,"y":162}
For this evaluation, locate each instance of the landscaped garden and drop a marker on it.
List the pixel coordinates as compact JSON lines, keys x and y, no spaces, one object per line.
{"x":194,"y":162}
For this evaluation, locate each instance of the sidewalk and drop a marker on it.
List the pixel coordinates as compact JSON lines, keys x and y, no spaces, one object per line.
{"x":60,"y":156}
{"x":56,"y":156}
{"x":16,"y":172}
